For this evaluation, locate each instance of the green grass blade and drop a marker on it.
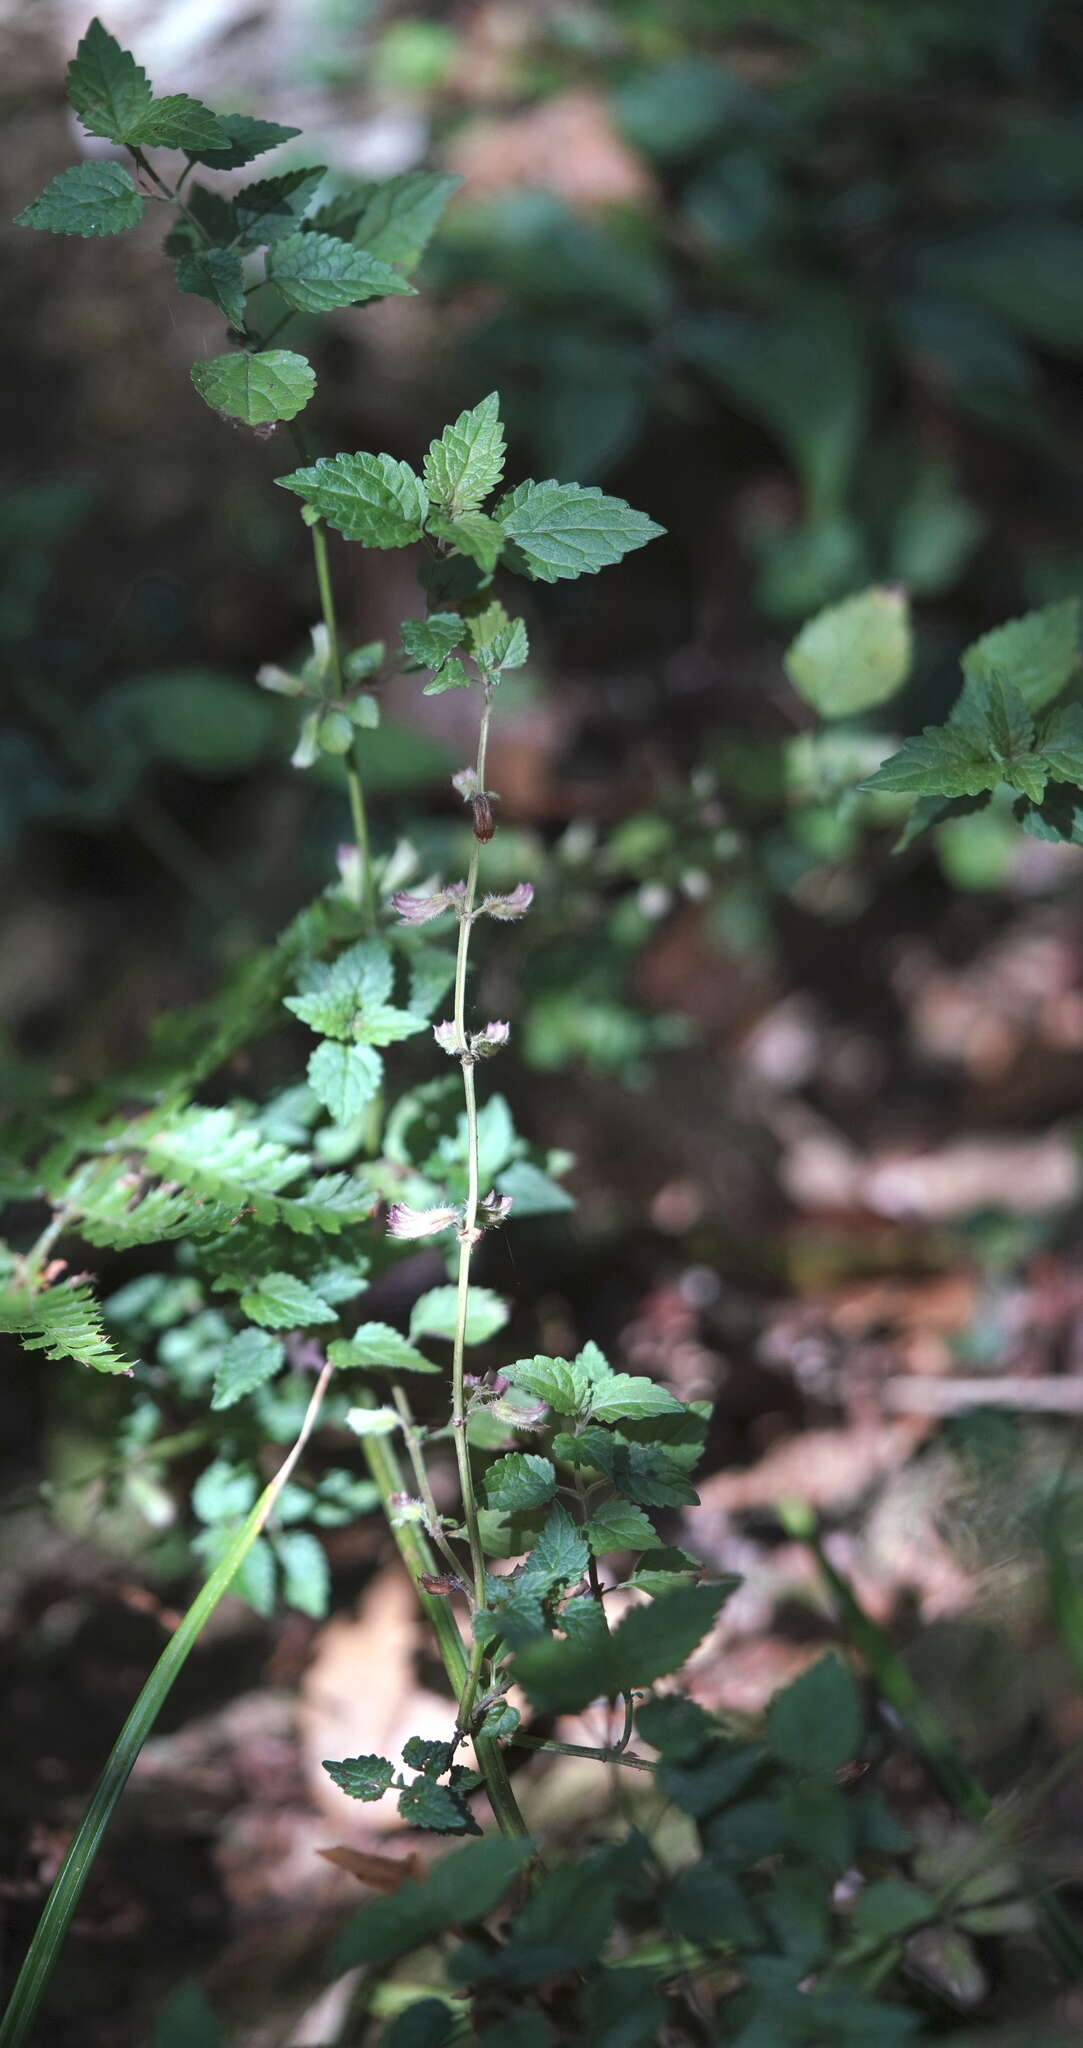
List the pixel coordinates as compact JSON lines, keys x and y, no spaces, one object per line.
{"x":67,"y":1889}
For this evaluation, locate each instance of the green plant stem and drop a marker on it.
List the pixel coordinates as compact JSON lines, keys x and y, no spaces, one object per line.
{"x":67,"y":1889}
{"x":467,"y":1239}
{"x":598,"y":1756}
{"x":416,"y":1554}
{"x":417,"y":1466}
{"x":353,"y":771}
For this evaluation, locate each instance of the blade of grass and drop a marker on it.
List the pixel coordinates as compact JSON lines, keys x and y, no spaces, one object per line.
{"x":67,"y":1889}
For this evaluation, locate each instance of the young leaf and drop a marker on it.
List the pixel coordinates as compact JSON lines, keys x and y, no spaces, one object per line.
{"x":507,"y":648}
{"x":559,"y":1556}
{"x":947,"y":760}
{"x":467,"y":462}
{"x":335,"y":996}
{"x":398,"y":216}
{"x":107,"y":88}
{"x":428,"y":642}
{"x":815,"y":1725}
{"x":373,"y":1421}
{"x":250,"y":1358}
{"x":344,"y":1078}
{"x":473,"y":534}
{"x":854,"y":654}
{"x":562,"y":530}
{"x":451,"y":676}
{"x":1036,"y":654}
{"x":273,"y":207}
{"x":316,"y":272}
{"x":95,"y":198}
{"x":626,"y":1397}
{"x":519,"y":1482}
{"x":363,"y":1777}
{"x":617,"y":1525}
{"x":564,"y":1386}
{"x":282,"y":1302}
{"x":247,"y":138}
{"x":434,"y":1314}
{"x":370,"y":498}
{"x":379,"y":1347}
{"x":217,"y":275}
{"x":223,"y":1493}
{"x":275,"y":384}
{"x":306,"y":1579}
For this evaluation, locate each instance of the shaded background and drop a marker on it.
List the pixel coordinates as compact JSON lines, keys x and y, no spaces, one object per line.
{"x":805,"y":282}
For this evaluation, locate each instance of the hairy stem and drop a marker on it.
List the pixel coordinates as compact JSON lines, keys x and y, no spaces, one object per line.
{"x":421,"y":1478}
{"x":353,"y":775}
{"x":467,"y":1238}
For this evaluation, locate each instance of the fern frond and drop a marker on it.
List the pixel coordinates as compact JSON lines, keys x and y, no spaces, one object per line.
{"x":110,"y":1203}
{"x":228,"y":1163}
{"x":64,"y":1321}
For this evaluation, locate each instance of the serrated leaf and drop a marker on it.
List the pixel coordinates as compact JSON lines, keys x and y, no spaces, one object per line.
{"x":432,"y":1758}
{"x":458,"y":1890}
{"x":107,"y":88}
{"x":176,"y":122}
{"x":854,"y":654}
{"x":618,"y":1525}
{"x":559,"y":1556}
{"x":64,"y":1321}
{"x":473,"y":534}
{"x":249,"y":1359}
{"x":815,"y":1725}
{"x":217,"y":275}
{"x":317,"y":272}
{"x":648,"y":1644}
{"x":272,"y":207}
{"x":564,"y":530}
{"x":363,"y":1777}
{"x":335,"y":995}
{"x":564,"y":1386}
{"x":378,"y":1347}
{"x":306,"y":1578}
{"x":947,"y":760}
{"x":435,"y":1313}
{"x":370,"y":498}
{"x":274,"y":384}
{"x":1035,"y":654}
{"x":452,"y":676}
{"x":399,"y":215}
{"x":509,"y":647}
{"x":224,"y":1492}
{"x":1061,"y":745}
{"x":662,"y":1570}
{"x":428,"y":642}
{"x":518,"y":1482}
{"x":282,"y":1302}
{"x":248,"y":138}
{"x":344,"y":1078}
{"x":425,"y":1804}
{"x":625,"y":1397}
{"x":467,"y":461}
{"x":95,"y":198}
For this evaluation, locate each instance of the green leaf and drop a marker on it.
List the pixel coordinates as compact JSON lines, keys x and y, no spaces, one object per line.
{"x":398,"y":216}
{"x":702,"y":1787}
{"x":272,"y":207}
{"x":274,"y":384}
{"x":363,"y":1777}
{"x":947,"y":760}
{"x":649,"y":1643}
{"x":458,"y":1890}
{"x":176,"y":122}
{"x":518,"y":1482}
{"x":248,"y":138}
{"x":533,"y":1192}
{"x":452,"y":676}
{"x":563,"y":1386}
{"x":250,"y":1358}
{"x":1007,"y":721}
{"x":625,"y":1397}
{"x":509,"y":647}
{"x":195,"y":719}
{"x":1061,"y":744}
{"x":662,"y":1570}
{"x":217,"y":275}
{"x":316,"y":272}
{"x":187,"y":2021}
{"x":370,"y":498}
{"x":564,"y":1925}
{"x":1036,"y":654}
{"x":707,"y":1905}
{"x":425,"y":1804}
{"x":815,"y":1725}
{"x":224,"y":1492}
{"x":562,"y":530}
{"x":473,"y":534}
{"x":891,"y":1906}
{"x":379,"y":1347}
{"x":373,"y":1421}
{"x":64,"y":1321}
{"x":344,"y":1078}
{"x":107,"y":88}
{"x":95,"y":198}
{"x":676,"y":1727}
{"x":617,"y":1525}
{"x":467,"y":462}
{"x":282,"y":1302}
{"x":560,"y":1555}
{"x":336,"y":995}
{"x":433,"y":1758}
{"x":428,"y":642}
{"x":430,"y":2023}
{"x":854,"y":654}
{"x":306,"y":1579}
{"x":434,"y":1314}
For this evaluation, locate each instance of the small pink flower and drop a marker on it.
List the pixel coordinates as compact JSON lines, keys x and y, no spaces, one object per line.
{"x":516,"y":904}
{"x":421,"y":909}
{"x":402,"y":1221}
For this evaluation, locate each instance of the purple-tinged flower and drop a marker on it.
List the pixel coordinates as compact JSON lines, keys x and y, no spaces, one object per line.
{"x":467,"y":784}
{"x":402,"y":1221}
{"x":493,"y":1039}
{"x":495,"y":1209}
{"x":422,"y":909}
{"x":516,"y":904}
{"x":447,"y":1038}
